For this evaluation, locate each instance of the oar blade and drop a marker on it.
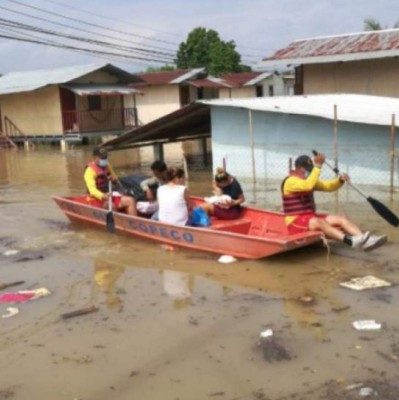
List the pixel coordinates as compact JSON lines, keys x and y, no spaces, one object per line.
{"x":384,"y":211}
{"x":110,"y":222}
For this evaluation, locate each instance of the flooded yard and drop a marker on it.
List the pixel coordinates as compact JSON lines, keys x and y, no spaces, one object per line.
{"x":176,"y":325}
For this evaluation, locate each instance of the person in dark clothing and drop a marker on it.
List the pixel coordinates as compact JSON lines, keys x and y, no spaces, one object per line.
{"x":230,"y":208}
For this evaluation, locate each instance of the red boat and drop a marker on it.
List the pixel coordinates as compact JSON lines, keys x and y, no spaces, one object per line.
{"x":256,"y":234}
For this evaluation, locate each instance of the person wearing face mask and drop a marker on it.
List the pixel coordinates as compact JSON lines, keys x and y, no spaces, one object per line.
{"x":96,"y":176}
{"x":300,"y":208}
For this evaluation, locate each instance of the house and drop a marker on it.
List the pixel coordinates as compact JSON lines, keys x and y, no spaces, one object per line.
{"x":164,"y":92}
{"x":362,"y":63}
{"x":257,"y":137}
{"x":66,"y":103}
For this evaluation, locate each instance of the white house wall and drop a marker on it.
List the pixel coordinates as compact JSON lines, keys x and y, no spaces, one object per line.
{"x":363,"y":149}
{"x":157,"y":101}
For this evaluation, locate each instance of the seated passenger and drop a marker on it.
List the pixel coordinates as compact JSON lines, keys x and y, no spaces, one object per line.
{"x":173,"y":199}
{"x":225,"y":184}
{"x":96,"y":176}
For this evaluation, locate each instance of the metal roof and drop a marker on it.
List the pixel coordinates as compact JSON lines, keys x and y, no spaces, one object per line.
{"x":17,"y":82}
{"x":168,"y":77}
{"x":347,"y":47}
{"x":187,"y":123}
{"x":194,"y":121}
{"x":375,"y":110}
{"x":101,"y":90}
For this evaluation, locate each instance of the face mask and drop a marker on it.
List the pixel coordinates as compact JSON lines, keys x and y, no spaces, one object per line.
{"x":103,"y":163}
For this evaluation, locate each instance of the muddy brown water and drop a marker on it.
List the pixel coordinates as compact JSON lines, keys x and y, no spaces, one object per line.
{"x":177,"y":324}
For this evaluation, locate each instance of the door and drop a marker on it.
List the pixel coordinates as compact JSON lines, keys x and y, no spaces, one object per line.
{"x":68,"y":110}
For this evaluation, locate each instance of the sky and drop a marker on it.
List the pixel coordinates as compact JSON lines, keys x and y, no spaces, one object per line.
{"x":151,"y":30}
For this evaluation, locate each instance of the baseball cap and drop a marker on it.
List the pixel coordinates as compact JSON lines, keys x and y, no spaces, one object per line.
{"x":100,"y":152}
{"x":304,"y":162}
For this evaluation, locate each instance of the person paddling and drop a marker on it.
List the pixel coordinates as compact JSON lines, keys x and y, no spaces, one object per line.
{"x":299,"y":206}
{"x":96,"y":176}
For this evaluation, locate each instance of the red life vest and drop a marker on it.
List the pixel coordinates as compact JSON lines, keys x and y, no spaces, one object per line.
{"x":102,"y":176}
{"x":297,"y":203}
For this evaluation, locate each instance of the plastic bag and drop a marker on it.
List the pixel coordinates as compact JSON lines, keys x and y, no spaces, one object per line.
{"x":200,"y":217}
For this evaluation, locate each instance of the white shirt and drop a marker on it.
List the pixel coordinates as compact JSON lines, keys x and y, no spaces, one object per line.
{"x":172,"y":205}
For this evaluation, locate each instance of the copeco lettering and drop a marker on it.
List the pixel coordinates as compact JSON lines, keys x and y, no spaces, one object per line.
{"x":164,"y":232}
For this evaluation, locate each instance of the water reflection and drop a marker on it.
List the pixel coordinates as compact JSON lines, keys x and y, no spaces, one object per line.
{"x":106,"y":276}
{"x":179,"y":286}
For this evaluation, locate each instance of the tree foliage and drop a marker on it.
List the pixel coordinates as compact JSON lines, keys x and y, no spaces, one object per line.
{"x":204,"y":48}
{"x":163,"y":68}
{"x":371,"y":24}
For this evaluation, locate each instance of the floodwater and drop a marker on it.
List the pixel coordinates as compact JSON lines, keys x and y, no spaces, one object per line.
{"x":177,"y":325}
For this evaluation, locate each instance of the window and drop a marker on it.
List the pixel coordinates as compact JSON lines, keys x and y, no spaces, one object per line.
{"x":259,"y":91}
{"x":94,"y":102}
{"x":271,"y":91}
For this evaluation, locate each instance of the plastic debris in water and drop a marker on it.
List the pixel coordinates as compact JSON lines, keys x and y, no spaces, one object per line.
{"x":10,"y":312}
{"x":23,"y":296}
{"x":366,"y":282}
{"x":226,"y":259}
{"x":366,"y":325}
{"x":10,"y":253}
{"x":266,"y":333}
{"x":366,"y":391}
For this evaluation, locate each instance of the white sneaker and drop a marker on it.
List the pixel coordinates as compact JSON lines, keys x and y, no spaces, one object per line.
{"x":360,"y":240}
{"x":374,"y":241}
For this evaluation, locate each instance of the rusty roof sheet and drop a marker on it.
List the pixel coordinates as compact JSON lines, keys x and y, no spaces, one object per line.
{"x":348,"y":47}
{"x":167,"y":77}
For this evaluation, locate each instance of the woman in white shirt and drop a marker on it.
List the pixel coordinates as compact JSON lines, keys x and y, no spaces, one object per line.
{"x":173,"y":199}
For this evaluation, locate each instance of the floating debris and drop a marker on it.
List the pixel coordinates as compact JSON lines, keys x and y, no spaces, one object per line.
{"x":366,"y":282}
{"x":227,"y":259}
{"x":23,"y":296}
{"x":7,"y":285}
{"x":10,"y":312}
{"x":366,"y":325}
{"x":9,"y":253}
{"x":77,"y":313}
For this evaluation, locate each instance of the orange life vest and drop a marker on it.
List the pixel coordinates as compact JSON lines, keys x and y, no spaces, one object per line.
{"x":297,"y":203}
{"x":102,"y":176}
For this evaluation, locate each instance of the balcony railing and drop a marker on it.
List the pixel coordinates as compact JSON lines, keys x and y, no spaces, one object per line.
{"x":99,"y":120}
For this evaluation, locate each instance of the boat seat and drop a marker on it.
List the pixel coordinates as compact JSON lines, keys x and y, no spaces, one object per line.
{"x":268,"y":228}
{"x":238,"y":226}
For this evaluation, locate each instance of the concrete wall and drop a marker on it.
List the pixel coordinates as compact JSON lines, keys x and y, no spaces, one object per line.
{"x":34,"y":113}
{"x":157,"y":101}
{"x":374,"y":77}
{"x":363,"y":149}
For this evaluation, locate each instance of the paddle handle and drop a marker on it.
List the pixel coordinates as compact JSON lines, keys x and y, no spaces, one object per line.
{"x":110,"y":195}
{"x":336,"y":170}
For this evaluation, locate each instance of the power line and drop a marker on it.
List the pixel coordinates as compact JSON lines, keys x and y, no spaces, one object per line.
{"x":75,"y":28}
{"x":88,"y":23}
{"x":81,"y":49}
{"x":110,"y":18}
{"x":166,"y":57}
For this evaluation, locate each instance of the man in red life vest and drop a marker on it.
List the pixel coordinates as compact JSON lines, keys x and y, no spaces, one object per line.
{"x":97,"y":174}
{"x":299,"y":205}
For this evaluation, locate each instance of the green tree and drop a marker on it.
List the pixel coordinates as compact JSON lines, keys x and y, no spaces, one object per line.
{"x":204,"y":48}
{"x":371,"y":24}
{"x":163,"y":68}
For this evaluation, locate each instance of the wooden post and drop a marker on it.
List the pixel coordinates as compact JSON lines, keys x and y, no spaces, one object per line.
{"x":158,"y":151}
{"x":393,"y":148}
{"x":203,"y":149}
{"x":251,"y":143}
{"x":64,"y":145}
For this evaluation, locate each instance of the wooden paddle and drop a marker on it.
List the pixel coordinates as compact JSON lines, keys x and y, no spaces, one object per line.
{"x":110,"y":223}
{"x":380,"y":208}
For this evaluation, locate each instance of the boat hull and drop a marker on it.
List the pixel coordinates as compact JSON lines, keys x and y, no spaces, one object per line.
{"x":257,"y":234}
